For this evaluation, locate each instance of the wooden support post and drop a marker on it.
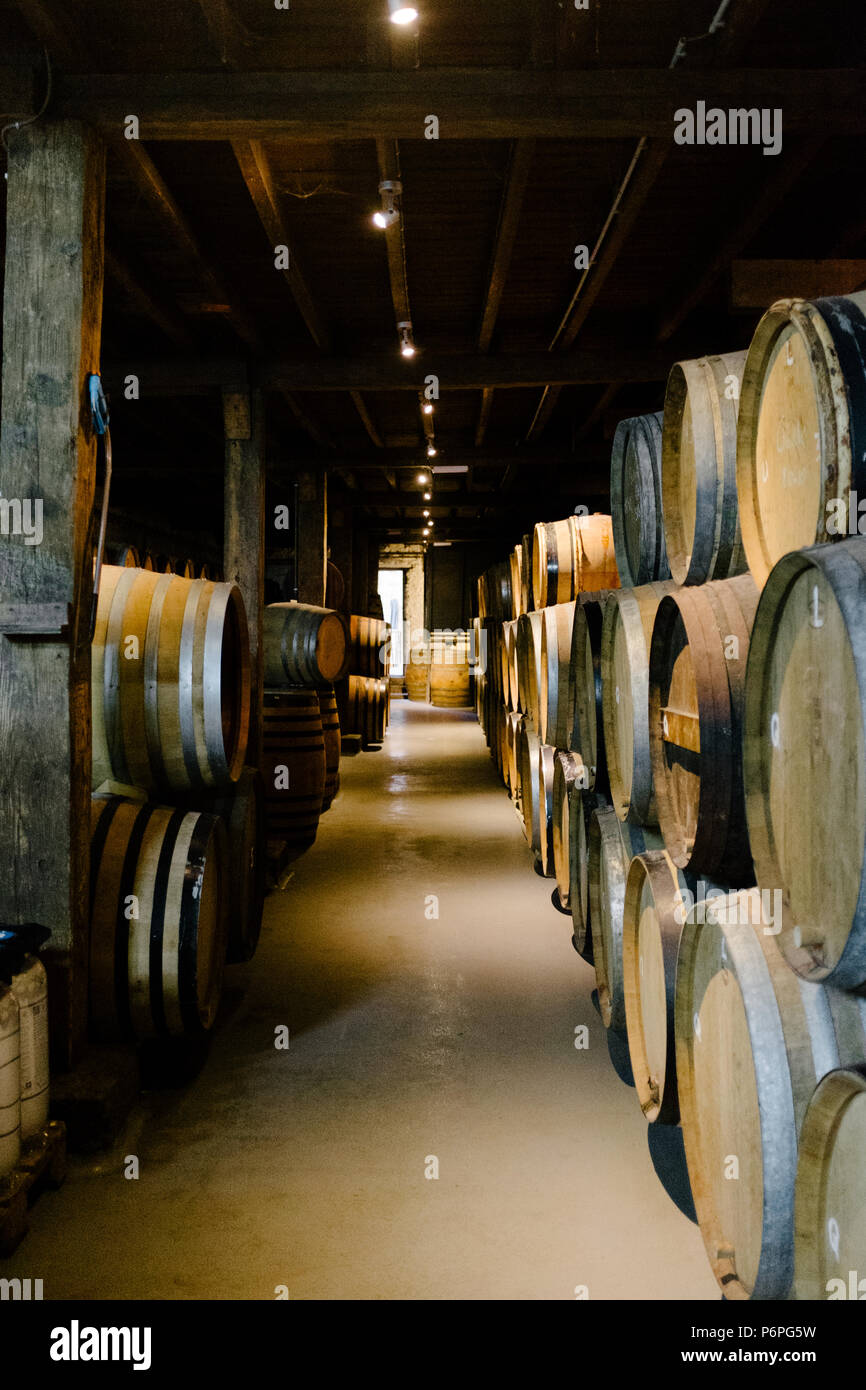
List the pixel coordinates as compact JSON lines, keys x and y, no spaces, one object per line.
{"x":51,"y":334}
{"x":244,"y":529}
{"x":360,"y":570}
{"x":313,"y":530}
{"x":340,"y":548}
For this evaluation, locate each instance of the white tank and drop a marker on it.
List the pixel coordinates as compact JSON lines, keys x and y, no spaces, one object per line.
{"x":30,"y":987}
{"x":10,"y":1063}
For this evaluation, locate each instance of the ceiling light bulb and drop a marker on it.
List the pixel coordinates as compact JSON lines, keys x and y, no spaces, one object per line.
{"x":407,"y":350}
{"x":425,"y":532}
{"x":431,"y":451}
{"x":402,"y":14}
{"x":425,"y":513}
{"x":428,"y":409}
{"x":428,"y":497}
{"x":422,"y":478}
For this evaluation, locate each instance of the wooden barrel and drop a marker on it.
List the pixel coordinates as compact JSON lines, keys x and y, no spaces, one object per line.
{"x":148,"y":563}
{"x":625,"y":643}
{"x":335,"y":588}
{"x":699,"y":469}
{"x":752,"y":1041}
{"x":170,"y":681}
{"x":242,"y":809}
{"x":302,"y":645}
{"x":506,"y":662}
{"x":556,"y":690}
{"x":801,"y":449}
{"x":572,"y":555}
{"x":331,"y":733}
{"x":499,"y":742}
{"x":513,"y":721}
{"x":569,"y":779}
{"x":636,"y":501}
{"x":830,"y":1201}
{"x":516,"y":562}
{"x":584,"y":805}
{"x":367,"y":710}
{"x":204,"y":571}
{"x":804,"y":756}
{"x":528,"y":644}
{"x":158,"y":920}
{"x":546,"y":761}
{"x":654,"y":916}
{"x":367,"y":640}
{"x":527,"y":598}
{"x":612,"y":846}
{"x":697,"y":682}
{"x":450,"y":685}
{"x":586,"y":735}
{"x":417,"y":682}
{"x":187,"y":569}
{"x":293,"y":766}
{"x":530,"y":796}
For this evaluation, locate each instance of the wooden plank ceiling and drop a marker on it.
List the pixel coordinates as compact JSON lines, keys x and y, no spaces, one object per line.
{"x":541,"y":358}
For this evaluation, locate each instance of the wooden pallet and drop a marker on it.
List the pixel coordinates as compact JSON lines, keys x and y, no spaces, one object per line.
{"x":42,"y":1164}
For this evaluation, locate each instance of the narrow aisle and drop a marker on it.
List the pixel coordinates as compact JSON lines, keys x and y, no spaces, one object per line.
{"x":413,"y":1037}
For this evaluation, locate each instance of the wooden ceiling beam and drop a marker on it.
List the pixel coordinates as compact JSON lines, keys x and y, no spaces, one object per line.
{"x":739,"y":20}
{"x":516,"y":181}
{"x":790,"y":168}
{"x":228,"y":34}
{"x":256,"y":171}
{"x":49,"y":23}
{"x":475,"y":103}
{"x":586,"y":366}
{"x":154,"y":188}
{"x":257,"y":175}
{"x":145,"y":303}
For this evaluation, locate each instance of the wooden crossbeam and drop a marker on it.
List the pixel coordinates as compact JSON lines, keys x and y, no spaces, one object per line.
{"x":585,"y":366}
{"x":517,"y":180}
{"x":756,"y":284}
{"x":473,"y":103}
{"x":145,"y":302}
{"x":738,"y":235}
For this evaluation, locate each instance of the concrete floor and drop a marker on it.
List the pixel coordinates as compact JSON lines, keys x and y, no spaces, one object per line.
{"x":411,"y":1037}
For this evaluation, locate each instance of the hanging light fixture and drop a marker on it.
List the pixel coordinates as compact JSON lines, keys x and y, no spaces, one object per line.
{"x":407,"y":347}
{"x":402,"y":14}
{"x":428,"y":408}
{"x":431,"y":451}
{"x":389,"y":189}
{"x":428,"y":497}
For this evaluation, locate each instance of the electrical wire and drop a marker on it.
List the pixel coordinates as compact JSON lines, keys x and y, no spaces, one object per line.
{"x":19,"y":124}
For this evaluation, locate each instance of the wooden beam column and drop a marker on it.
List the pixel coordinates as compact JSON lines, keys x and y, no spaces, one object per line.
{"x":51,"y":334}
{"x":313,"y":533}
{"x":244,"y":529}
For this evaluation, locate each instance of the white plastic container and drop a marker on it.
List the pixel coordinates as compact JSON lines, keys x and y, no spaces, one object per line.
{"x":30,"y":987}
{"x":10,"y":1061}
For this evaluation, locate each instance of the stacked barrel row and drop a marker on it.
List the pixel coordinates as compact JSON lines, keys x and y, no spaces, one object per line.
{"x":176,"y":818}
{"x":305,"y":651}
{"x":179,"y":819}
{"x":702,"y":803}
{"x":128,"y":557}
{"x":364,"y":695}
{"x":439,"y":670}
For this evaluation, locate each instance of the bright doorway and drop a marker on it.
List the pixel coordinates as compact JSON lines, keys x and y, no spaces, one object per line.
{"x":391,"y":594}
